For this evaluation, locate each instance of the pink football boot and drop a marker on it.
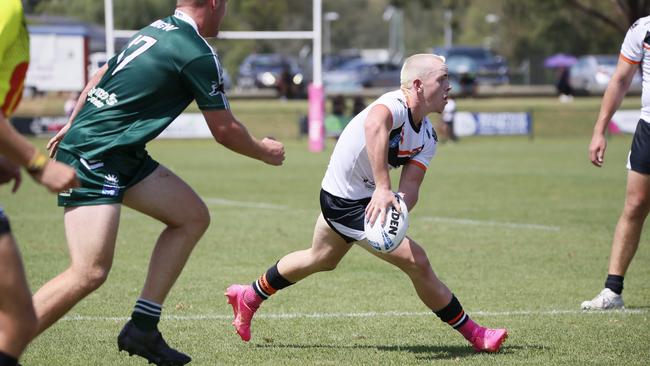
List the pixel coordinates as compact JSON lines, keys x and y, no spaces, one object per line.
{"x":488,"y":340}
{"x":245,"y":303}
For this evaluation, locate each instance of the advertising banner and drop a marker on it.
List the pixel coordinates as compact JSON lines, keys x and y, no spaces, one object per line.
{"x":493,"y":123}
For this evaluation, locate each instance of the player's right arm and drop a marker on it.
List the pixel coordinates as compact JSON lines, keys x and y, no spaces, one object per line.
{"x":230,"y":133}
{"x":377,"y":128}
{"x":53,"y":144}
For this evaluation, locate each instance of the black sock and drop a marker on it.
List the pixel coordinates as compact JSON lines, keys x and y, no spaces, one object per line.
{"x":453,"y":314}
{"x":6,"y":360}
{"x":614,"y":283}
{"x":146,"y":315}
{"x":270,"y":282}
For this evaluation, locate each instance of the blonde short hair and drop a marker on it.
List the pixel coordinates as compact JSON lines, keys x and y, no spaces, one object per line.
{"x":418,"y":66}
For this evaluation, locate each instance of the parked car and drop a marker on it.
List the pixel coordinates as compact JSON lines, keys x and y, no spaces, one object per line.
{"x":591,"y":74}
{"x":334,"y":61}
{"x":483,"y":64}
{"x":268,"y":70}
{"x":359,"y":73}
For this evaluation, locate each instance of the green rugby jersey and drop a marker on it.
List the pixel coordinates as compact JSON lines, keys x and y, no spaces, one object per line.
{"x":148,"y":84}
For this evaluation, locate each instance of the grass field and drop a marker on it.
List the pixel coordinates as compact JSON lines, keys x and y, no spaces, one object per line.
{"x":520,"y":230}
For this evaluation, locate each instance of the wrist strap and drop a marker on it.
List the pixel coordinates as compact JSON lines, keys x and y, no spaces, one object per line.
{"x":37,"y":163}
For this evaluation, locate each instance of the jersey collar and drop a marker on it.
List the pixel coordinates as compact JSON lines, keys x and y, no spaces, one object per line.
{"x":187,"y":19}
{"x":414,"y":126}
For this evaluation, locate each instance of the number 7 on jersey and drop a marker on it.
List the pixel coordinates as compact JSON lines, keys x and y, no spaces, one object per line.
{"x":122,"y":61}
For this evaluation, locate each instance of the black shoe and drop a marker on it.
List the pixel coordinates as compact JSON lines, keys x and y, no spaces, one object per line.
{"x":149,"y":345}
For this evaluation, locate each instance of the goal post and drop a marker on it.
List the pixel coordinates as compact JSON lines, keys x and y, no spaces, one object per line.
{"x":315,"y":91}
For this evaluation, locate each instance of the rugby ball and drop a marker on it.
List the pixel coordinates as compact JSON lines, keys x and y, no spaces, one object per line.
{"x":388,"y":237}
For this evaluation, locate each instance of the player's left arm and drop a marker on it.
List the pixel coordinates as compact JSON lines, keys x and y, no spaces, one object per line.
{"x":409,"y":184}
{"x":231,"y":133}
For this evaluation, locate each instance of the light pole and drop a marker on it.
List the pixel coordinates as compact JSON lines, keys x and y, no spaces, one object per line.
{"x":329,"y":17}
{"x":492,"y":20}
{"x":449,"y":36}
{"x":395,"y":18}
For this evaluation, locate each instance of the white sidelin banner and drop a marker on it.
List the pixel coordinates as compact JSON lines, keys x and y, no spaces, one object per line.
{"x":493,"y":123}
{"x":187,"y":126}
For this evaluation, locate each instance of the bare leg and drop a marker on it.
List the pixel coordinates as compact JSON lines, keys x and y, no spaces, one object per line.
{"x":630,"y":224}
{"x":91,"y":232}
{"x":166,"y":197}
{"x":327,"y":250}
{"x":17,"y":317}
{"x":412,"y":260}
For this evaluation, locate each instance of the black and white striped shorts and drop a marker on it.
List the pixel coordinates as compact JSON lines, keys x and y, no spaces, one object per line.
{"x":346,"y":217}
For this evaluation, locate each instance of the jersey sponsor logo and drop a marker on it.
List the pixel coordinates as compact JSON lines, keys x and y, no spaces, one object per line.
{"x":369,"y":183}
{"x":111,"y":185}
{"x":100,"y":97}
{"x":162,"y":25}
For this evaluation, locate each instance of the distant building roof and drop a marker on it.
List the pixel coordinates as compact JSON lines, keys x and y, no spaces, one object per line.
{"x":50,"y":24}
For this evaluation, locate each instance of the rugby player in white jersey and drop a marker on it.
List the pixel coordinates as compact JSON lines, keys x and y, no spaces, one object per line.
{"x":392,"y":132}
{"x":635,"y":51}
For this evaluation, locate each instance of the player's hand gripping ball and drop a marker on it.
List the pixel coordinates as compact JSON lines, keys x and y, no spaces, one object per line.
{"x":388,"y":237}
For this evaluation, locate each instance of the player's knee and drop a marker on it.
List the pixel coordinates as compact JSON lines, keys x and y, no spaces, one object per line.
{"x":199,"y":218}
{"x":91,"y":278}
{"x":636,"y":206}
{"x":325,"y":260}
{"x":328,"y":264}
{"x":417,"y":263}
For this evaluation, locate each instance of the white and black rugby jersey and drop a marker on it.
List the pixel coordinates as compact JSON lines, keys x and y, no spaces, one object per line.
{"x":634,"y":50}
{"x":349,"y":174}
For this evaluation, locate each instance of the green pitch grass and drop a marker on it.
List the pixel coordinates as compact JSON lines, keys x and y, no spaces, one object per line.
{"x":520,"y":230}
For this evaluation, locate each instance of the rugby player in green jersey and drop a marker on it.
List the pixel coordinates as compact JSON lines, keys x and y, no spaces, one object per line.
{"x":129,"y":102}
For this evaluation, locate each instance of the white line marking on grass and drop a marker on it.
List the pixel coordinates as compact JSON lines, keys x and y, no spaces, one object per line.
{"x":387,"y":314}
{"x":511,"y":225}
{"x":225,"y":202}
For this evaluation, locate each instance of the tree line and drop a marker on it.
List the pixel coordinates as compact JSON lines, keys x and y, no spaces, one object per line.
{"x":520,"y":30}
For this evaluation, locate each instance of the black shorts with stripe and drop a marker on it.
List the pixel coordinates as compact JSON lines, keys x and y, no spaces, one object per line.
{"x":639,"y":158}
{"x":346,"y":217}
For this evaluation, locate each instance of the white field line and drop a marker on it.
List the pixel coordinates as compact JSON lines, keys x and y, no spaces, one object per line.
{"x":270,"y":206}
{"x":509,"y":225}
{"x":225,"y":202}
{"x":387,"y":314}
